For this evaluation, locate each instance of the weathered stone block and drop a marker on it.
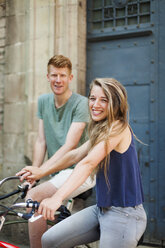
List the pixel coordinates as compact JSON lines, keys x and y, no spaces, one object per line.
{"x":44,"y":26}
{"x":1,"y":116}
{"x":13,"y":146}
{"x":14,"y":118}
{"x":39,"y":55}
{"x":43,"y":3}
{"x":2,"y":2}
{"x":43,"y":86}
{"x":1,"y":120}
{"x":15,"y":88}
{"x":29,"y":144}
{"x":42,"y":55}
{"x":2,"y":42}
{"x":15,"y":57}
{"x":1,"y":145}
{"x":16,"y":31}
{"x":2,"y":32}
{"x":2,"y":68}
{"x":81,"y":82}
{"x":1,"y":105}
{"x":81,"y":50}
{"x":60,"y":47}
{"x":2,"y":8}
{"x":2,"y":22}
{"x":36,"y":84}
{"x":14,"y":7}
{"x":32,"y":120}
{"x":41,"y":20}
{"x":9,"y":169}
{"x":1,"y":93}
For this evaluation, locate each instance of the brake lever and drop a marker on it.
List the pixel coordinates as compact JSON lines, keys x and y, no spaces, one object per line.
{"x":24,"y":190}
{"x":34,"y":218}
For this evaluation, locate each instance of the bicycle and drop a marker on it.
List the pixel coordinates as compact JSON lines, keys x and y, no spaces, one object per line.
{"x":62,"y":213}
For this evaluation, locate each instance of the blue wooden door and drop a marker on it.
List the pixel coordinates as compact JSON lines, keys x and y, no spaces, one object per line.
{"x":122,"y":42}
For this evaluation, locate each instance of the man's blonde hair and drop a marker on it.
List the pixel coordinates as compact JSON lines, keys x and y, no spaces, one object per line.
{"x":60,"y":61}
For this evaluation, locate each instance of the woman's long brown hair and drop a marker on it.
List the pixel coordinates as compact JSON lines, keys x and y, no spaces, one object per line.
{"x":117,"y":113}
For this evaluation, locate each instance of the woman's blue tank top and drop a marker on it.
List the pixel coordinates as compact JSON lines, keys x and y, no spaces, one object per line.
{"x":125,"y":187}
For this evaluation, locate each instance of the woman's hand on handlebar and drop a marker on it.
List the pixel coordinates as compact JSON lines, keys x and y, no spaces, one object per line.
{"x":49,"y":206}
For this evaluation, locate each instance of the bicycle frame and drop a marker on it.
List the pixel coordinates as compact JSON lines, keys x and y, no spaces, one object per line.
{"x":22,"y":191}
{"x":7,"y":245}
{"x":62,"y":212}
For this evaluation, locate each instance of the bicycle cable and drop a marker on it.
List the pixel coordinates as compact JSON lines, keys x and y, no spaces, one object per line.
{"x":6,"y":212}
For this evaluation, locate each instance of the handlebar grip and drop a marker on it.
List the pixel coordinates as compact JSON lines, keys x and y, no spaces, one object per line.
{"x":32,"y":204}
{"x":28,"y":204}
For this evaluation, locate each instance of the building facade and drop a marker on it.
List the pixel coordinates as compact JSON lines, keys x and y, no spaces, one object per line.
{"x":31,"y":32}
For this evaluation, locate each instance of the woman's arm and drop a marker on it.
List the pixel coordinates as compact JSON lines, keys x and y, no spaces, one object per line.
{"x":80,"y":173}
{"x":66,"y":161}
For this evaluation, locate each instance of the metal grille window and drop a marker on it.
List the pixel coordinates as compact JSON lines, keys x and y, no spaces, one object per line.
{"x":104,"y":13}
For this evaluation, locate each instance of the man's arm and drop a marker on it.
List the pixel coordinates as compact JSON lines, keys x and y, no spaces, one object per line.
{"x":40,"y":146}
{"x":72,"y":139}
{"x":74,"y":134}
{"x":74,"y":156}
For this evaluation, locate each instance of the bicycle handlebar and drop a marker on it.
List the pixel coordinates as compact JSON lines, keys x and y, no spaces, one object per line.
{"x":27,"y":204}
{"x":21,"y":188}
{"x":62,"y":212}
{"x":9,"y":178}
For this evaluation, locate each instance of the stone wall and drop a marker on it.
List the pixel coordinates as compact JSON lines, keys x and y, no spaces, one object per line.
{"x":2,"y":66}
{"x":32,"y":31}
{"x":35,"y":31}
{"x":70,"y":38}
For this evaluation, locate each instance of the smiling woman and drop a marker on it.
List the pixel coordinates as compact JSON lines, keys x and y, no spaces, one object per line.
{"x":98,"y":103}
{"x":118,"y":219}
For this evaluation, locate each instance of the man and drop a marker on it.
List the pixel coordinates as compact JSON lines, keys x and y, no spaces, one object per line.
{"x":63,"y":116}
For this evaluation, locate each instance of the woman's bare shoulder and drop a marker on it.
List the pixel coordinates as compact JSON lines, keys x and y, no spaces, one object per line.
{"x":125,"y":140}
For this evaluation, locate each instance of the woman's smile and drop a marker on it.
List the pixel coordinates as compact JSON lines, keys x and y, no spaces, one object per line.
{"x":98,"y":103}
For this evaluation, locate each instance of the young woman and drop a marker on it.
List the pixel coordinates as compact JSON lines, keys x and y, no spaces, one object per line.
{"x":118,"y":218}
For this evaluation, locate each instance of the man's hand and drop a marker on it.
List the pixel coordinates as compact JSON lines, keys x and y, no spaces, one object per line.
{"x":49,"y":206}
{"x":23,"y":173}
{"x":30,"y":173}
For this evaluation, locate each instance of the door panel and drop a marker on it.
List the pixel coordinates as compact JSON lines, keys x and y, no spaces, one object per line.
{"x":120,"y":59}
{"x":121,"y":44}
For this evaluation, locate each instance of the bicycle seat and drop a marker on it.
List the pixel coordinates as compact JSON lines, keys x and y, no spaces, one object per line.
{"x":84,"y":195}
